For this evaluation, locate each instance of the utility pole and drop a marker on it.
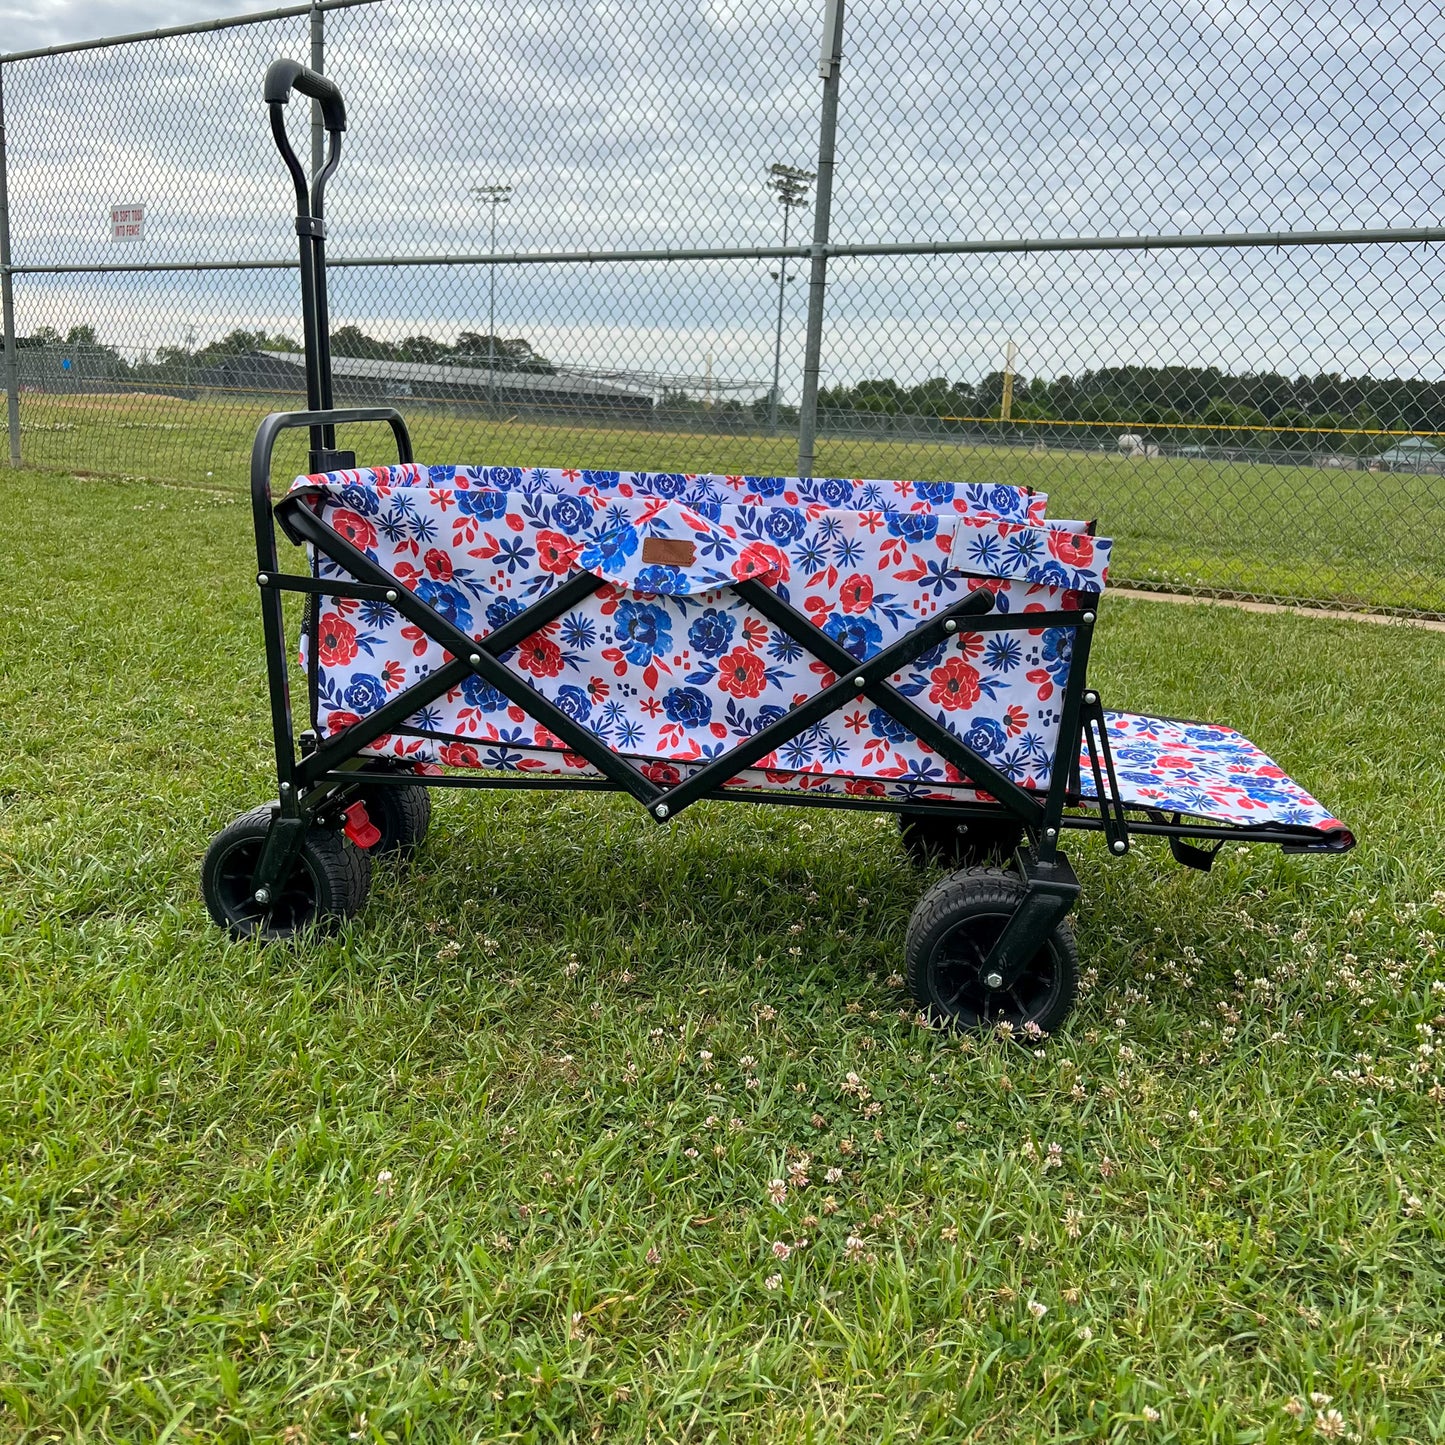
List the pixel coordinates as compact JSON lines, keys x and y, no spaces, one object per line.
{"x":830,"y":65}
{"x":492,"y":196}
{"x":791,"y":188}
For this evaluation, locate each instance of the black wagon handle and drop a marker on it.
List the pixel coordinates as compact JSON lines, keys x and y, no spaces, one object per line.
{"x":284,"y":76}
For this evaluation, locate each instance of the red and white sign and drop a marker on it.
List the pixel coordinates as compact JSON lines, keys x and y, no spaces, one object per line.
{"x":127,"y":223}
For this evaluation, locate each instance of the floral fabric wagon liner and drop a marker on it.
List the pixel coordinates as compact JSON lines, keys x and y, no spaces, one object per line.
{"x":667,"y":663}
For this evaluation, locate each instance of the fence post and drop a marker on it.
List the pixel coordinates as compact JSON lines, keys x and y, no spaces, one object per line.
{"x":318,"y":64}
{"x":7,"y":298}
{"x":829,"y":64}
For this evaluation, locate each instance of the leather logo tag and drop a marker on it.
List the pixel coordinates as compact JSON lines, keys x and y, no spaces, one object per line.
{"x":671,"y":552}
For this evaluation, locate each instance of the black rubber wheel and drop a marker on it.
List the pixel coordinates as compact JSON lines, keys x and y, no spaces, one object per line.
{"x":950,"y":934}
{"x":959,"y":842}
{"x":400,"y":812}
{"x":328,"y":882}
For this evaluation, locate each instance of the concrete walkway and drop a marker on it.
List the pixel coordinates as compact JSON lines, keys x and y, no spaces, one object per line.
{"x":1339,"y":614}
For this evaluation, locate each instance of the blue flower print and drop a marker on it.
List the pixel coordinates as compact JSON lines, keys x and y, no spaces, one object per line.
{"x":986,"y":737}
{"x":569,"y":515}
{"x":661,"y":579}
{"x":641,"y":630}
{"x":785,"y":524}
{"x":913,"y":527}
{"x":483,"y":503}
{"x":610,"y":548}
{"x":885,"y":725}
{"x":712,"y":634}
{"x":856,"y":635}
{"x":480,"y":694}
{"x":364,"y":500}
{"x":365,"y":693}
{"x":688,"y":706}
{"x":501,"y":610}
{"x":447,"y":600}
{"x":574,"y":701}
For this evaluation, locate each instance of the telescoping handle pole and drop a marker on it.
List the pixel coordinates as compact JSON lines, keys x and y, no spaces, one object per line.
{"x":282,"y":78}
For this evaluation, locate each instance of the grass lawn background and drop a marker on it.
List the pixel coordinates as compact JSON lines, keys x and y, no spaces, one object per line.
{"x":499,"y":1162}
{"x":1375,"y":540}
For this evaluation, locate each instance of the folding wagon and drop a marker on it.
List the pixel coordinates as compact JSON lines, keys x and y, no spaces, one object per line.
{"x":920,"y":648}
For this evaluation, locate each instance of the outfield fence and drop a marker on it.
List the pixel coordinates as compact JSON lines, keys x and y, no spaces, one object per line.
{"x":1178,"y":267}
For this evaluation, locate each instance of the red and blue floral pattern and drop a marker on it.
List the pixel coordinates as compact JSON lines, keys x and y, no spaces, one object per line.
{"x":1203,"y":770}
{"x":668,"y":665}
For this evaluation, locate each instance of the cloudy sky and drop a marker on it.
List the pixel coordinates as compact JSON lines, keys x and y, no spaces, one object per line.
{"x":645,"y":123}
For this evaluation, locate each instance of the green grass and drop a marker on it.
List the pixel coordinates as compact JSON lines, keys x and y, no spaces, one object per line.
{"x":435,"y":1179}
{"x":1356,"y":538}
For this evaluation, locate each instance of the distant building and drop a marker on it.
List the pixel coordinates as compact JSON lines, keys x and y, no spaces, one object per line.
{"x":58,"y":367}
{"x":363,"y":379}
{"x":1413,"y":454}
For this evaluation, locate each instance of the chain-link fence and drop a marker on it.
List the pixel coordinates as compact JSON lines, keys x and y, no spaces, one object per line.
{"x":1179,"y":266}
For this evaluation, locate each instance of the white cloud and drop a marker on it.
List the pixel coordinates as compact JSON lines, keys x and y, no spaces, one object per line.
{"x":652,"y":124}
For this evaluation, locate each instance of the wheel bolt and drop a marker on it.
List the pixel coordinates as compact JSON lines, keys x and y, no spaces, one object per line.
{"x":994,"y":980}
{"x":263,"y":895}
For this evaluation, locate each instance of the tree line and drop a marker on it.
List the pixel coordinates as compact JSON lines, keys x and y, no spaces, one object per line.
{"x":1193,"y":403}
{"x":1183,"y":404}
{"x":186,"y":363}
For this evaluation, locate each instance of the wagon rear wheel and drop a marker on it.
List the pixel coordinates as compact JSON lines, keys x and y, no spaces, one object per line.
{"x":400,"y":813}
{"x":950,"y":935}
{"x":327,"y":884}
{"x":959,"y":842}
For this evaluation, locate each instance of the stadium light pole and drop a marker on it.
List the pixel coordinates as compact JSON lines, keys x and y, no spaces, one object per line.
{"x":791,"y":188}
{"x":492,"y":196}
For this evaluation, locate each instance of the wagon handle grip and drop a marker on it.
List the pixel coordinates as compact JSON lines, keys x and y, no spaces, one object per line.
{"x":284,"y":76}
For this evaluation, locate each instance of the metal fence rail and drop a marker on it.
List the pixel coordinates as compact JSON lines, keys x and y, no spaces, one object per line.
{"x":1190,"y":285}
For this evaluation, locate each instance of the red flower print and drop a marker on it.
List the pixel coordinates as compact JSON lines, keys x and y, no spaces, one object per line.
{"x":1074,"y":548}
{"x":955,"y":685}
{"x":864,"y":788}
{"x":438,"y":565}
{"x":758,"y":559}
{"x":856,"y":593}
{"x":663,"y":774}
{"x":339,"y":721}
{"x":556,"y":553}
{"x":540,"y":656}
{"x":336,"y":640}
{"x":741,"y":673}
{"x":354,"y":527}
{"x":459,"y":755}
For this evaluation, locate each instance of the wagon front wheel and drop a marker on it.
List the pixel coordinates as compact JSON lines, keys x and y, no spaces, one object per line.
{"x":326,"y":885}
{"x":950,"y":935}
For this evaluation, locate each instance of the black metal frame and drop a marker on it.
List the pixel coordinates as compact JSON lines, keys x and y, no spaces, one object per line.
{"x":316,"y":779}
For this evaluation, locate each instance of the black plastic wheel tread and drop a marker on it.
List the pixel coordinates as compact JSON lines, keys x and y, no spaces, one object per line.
{"x":403,"y":815}
{"x":341,"y":875}
{"x":983,"y":890}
